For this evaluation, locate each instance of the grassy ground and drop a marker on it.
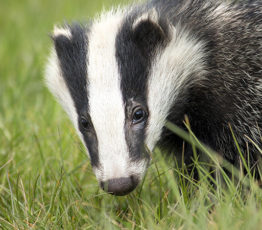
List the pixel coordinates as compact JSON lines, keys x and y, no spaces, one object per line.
{"x":46,"y":181}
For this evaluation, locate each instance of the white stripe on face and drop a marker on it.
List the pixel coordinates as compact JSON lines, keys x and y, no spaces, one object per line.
{"x":106,"y":106}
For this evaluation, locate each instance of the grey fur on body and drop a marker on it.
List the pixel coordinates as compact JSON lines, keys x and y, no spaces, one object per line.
{"x":230,"y":93}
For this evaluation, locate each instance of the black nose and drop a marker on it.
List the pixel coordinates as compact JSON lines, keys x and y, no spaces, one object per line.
{"x":120,"y":186}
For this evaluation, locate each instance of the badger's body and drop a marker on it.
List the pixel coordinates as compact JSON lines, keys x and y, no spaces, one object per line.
{"x":122,"y":76}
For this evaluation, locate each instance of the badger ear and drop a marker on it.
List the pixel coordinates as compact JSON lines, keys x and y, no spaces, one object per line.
{"x":62,"y":40}
{"x":62,"y":31}
{"x":148,"y":33}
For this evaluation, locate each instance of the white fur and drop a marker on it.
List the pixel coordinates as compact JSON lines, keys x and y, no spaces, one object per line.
{"x":105,"y":100}
{"x":169,"y":72}
{"x":58,"y":87}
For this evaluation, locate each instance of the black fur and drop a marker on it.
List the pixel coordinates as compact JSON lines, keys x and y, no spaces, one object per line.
{"x":72,"y":55}
{"x":134,"y":50}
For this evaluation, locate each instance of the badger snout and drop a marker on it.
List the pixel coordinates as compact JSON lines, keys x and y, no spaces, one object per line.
{"x":119,"y":179}
{"x":120,"y":186}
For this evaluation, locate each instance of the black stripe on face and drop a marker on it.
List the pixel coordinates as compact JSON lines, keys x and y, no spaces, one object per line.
{"x":72,"y":55}
{"x":135,"y":49}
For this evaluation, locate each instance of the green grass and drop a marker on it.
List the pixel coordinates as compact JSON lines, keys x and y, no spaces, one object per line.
{"x":46,"y":180}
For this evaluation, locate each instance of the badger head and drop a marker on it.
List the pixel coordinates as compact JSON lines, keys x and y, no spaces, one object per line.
{"x":114,"y":79}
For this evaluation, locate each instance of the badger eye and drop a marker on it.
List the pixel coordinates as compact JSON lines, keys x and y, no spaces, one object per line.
{"x":85,"y":123}
{"x":139,"y":115}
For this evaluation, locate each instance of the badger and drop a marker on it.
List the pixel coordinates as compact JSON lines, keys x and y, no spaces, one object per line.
{"x":123,"y":75}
